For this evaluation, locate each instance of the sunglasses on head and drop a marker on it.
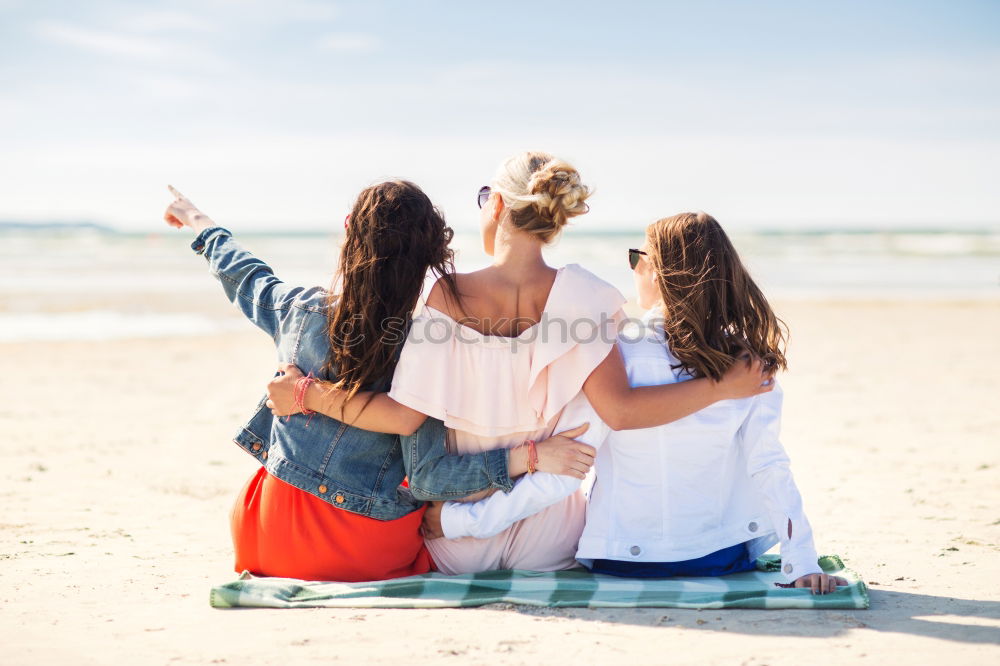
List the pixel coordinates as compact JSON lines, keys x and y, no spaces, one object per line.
{"x":484,"y":195}
{"x":633,"y":257}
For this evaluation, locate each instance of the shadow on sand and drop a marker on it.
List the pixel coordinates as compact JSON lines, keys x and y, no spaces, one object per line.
{"x":892,"y":612}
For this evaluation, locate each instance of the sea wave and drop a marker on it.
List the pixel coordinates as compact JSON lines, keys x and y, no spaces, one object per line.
{"x":90,"y":284}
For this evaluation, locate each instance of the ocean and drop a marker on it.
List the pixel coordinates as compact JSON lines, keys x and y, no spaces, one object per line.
{"x":97,"y":284}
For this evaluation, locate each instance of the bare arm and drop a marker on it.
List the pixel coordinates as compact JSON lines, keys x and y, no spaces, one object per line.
{"x":559,"y":454}
{"x":367,"y":410}
{"x":625,"y":408}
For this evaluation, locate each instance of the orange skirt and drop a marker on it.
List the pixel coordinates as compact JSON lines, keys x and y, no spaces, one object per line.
{"x":280,"y":530}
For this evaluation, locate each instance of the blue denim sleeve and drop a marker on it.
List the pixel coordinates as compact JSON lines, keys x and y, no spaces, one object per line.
{"x":248,"y":282}
{"x":435,"y":474}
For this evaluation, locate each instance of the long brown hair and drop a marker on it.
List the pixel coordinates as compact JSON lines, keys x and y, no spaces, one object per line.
{"x":713,"y":310}
{"x":393,"y":236}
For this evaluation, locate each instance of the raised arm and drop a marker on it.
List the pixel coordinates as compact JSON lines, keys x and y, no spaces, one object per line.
{"x":623,"y":407}
{"x":248,"y":282}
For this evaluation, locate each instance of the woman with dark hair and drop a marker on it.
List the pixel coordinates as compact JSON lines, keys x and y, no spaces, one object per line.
{"x":329,"y":501}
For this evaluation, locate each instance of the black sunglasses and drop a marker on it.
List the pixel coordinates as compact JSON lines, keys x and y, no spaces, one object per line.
{"x":633,"y":257}
{"x":484,"y":195}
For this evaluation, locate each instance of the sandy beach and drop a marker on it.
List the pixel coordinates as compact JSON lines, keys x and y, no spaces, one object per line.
{"x":120,"y":471}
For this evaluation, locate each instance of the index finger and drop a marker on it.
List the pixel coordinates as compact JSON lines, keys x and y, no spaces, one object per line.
{"x":174,"y":191}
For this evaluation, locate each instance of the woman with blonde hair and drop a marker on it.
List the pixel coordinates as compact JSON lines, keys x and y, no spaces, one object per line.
{"x":498,"y":359}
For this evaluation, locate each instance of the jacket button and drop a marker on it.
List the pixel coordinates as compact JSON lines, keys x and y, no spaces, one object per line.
{"x":339,"y":499}
{"x":322,"y":489}
{"x":752,"y":527}
{"x":788,"y":568}
{"x":635,"y":550}
{"x":256,"y":447}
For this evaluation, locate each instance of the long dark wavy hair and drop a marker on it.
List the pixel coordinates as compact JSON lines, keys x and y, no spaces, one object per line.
{"x":393,"y":236}
{"x":713,"y":310}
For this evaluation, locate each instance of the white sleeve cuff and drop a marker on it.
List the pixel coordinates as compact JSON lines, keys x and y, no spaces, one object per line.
{"x":799,"y":562}
{"x":453,"y":520}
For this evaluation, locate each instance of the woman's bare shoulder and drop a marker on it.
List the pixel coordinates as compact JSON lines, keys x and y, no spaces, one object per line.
{"x":442,"y":296}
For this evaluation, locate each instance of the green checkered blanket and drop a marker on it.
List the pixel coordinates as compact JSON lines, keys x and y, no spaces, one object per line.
{"x":574,"y":588}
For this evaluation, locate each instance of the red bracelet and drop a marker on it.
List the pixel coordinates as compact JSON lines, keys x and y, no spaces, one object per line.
{"x":299,"y":394}
{"x":301,"y":386}
{"x":532,"y":457}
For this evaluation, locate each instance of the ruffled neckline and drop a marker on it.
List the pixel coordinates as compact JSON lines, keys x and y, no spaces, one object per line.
{"x":445,"y":378}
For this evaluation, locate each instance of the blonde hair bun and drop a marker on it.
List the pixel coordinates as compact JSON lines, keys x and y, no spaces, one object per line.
{"x":542,"y":193}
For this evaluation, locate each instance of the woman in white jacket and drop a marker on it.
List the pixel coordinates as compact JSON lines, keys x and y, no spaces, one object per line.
{"x":704,"y":495}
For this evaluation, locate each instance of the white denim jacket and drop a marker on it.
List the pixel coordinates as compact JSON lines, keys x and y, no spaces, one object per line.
{"x":676,"y":492}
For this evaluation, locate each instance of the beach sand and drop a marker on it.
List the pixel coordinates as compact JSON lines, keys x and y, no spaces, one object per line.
{"x":120,"y":471}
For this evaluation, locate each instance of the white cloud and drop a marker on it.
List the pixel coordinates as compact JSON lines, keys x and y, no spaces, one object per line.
{"x":160,"y":21}
{"x":275,"y":11}
{"x":131,"y":45}
{"x":349,"y":42}
{"x":100,"y":41}
{"x":308,"y":11}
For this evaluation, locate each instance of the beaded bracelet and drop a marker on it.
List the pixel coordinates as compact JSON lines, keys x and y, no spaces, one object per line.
{"x":299,"y":395}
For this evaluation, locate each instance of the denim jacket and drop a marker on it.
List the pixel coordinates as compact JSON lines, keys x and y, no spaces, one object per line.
{"x":353,"y":469}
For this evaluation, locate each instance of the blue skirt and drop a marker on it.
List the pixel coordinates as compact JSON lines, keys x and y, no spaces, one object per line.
{"x":720,"y":563}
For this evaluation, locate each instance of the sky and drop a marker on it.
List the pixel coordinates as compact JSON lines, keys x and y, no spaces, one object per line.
{"x":272,"y":115}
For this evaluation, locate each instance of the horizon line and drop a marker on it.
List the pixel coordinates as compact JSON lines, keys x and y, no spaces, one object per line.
{"x":982,"y":228}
